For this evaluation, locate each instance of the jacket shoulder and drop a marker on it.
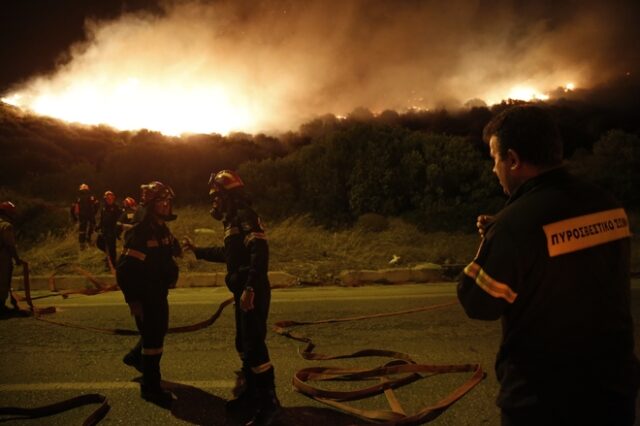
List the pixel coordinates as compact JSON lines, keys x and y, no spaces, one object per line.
{"x":137,"y":235}
{"x":249,"y":221}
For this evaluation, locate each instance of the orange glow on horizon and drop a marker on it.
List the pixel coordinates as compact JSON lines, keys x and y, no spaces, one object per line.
{"x":132,"y":103}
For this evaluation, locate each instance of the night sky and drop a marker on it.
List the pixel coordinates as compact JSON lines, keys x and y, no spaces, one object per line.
{"x":304,"y":58}
{"x":36,"y":34}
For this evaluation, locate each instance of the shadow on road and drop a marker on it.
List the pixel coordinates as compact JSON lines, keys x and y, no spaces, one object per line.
{"x":198,"y":407}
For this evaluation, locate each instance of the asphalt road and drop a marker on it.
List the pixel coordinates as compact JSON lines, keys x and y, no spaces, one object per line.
{"x":42,"y":363}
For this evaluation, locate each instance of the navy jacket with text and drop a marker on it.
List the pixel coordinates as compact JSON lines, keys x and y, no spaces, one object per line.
{"x":555,"y":267}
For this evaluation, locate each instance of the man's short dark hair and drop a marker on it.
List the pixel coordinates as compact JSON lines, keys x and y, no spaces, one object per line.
{"x":530,"y":131}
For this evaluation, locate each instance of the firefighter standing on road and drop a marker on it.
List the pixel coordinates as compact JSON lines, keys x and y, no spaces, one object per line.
{"x":246,"y":254}
{"x":126,"y":221}
{"x":83,"y":211}
{"x":8,"y":253}
{"x":145,"y":272}
{"x":109,"y":215}
{"x":554,"y":266}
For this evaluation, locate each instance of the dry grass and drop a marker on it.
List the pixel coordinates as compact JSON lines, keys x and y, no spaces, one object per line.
{"x":297,"y":246}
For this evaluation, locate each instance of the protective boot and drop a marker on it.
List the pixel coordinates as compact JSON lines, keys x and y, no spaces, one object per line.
{"x":269,"y":407}
{"x":134,"y":357}
{"x":245,"y":392}
{"x":150,"y":389}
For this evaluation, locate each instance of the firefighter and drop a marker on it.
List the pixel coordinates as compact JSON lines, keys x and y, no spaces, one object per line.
{"x":126,"y":221}
{"x":108,"y":228}
{"x":83,"y":211}
{"x":553,"y":265}
{"x":8,"y":253}
{"x":127,"y":217}
{"x":145,"y":272}
{"x":246,"y":254}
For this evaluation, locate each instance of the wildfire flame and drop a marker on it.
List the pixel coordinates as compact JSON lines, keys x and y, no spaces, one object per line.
{"x":132,"y":103}
{"x":212,"y":68}
{"x":527,"y":93}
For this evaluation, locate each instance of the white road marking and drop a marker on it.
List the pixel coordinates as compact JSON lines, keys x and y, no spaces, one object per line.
{"x":30,"y":387}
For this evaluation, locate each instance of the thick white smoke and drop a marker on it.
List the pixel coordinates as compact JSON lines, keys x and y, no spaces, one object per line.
{"x":219,"y":66}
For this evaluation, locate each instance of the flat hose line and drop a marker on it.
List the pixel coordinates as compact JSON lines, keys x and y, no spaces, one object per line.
{"x":61,"y":406}
{"x":401,"y":365}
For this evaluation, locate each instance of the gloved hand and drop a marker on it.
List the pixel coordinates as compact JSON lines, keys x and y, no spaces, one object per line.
{"x":246,"y":300}
{"x":188,"y":245}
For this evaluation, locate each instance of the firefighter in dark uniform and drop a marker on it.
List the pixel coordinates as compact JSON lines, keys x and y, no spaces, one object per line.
{"x":146,"y":271}
{"x":554,"y":265}
{"x":8,"y":254}
{"x":83,"y":211}
{"x":127,"y":218}
{"x":109,"y":215}
{"x":246,"y":254}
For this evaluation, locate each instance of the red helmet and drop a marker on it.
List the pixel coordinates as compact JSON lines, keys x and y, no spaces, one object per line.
{"x":155,"y":191}
{"x":109,"y":193}
{"x":83,"y":187}
{"x":224,"y":181}
{"x":129,"y":202}
{"x":8,"y":208}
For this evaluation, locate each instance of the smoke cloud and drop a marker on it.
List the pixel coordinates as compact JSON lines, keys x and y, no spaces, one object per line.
{"x":276,"y":64}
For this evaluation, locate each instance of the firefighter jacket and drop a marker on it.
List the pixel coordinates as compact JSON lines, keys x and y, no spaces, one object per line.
{"x":7,"y":241}
{"x":126,"y":219}
{"x":554,"y":266}
{"x":109,"y":216}
{"x":85,"y":207}
{"x":147,"y":268}
{"x":245,"y":251}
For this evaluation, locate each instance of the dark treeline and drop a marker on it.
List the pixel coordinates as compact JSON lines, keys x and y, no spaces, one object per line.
{"x":430,"y":167}
{"x":48,"y":158}
{"x":440,"y":181}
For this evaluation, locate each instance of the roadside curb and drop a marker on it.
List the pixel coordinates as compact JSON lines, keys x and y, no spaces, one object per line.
{"x":422,"y":273}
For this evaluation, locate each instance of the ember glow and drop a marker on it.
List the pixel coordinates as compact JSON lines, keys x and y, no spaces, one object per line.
{"x":527,"y":93}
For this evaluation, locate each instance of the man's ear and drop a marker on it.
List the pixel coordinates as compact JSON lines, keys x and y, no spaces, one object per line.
{"x":513,"y":160}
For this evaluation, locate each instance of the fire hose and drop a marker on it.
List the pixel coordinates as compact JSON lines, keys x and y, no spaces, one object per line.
{"x":400,"y":364}
{"x":400,"y":371}
{"x":65,"y":405}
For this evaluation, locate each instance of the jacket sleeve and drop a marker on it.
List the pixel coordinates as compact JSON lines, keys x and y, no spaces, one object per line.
{"x":8,"y":239}
{"x":256,"y":242}
{"x":101,"y":221}
{"x":211,"y":254}
{"x":130,"y":267}
{"x":486,"y":288}
{"x":73,"y":211}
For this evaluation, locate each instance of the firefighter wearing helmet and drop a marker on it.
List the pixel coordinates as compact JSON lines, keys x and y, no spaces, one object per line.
{"x":127,"y":218}
{"x":8,"y":253}
{"x":246,"y":254}
{"x":145,"y":272}
{"x":83,"y":211}
{"x":108,"y":228}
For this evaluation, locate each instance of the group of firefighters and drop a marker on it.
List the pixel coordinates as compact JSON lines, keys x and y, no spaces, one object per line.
{"x":146,"y":269}
{"x":113,"y":220}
